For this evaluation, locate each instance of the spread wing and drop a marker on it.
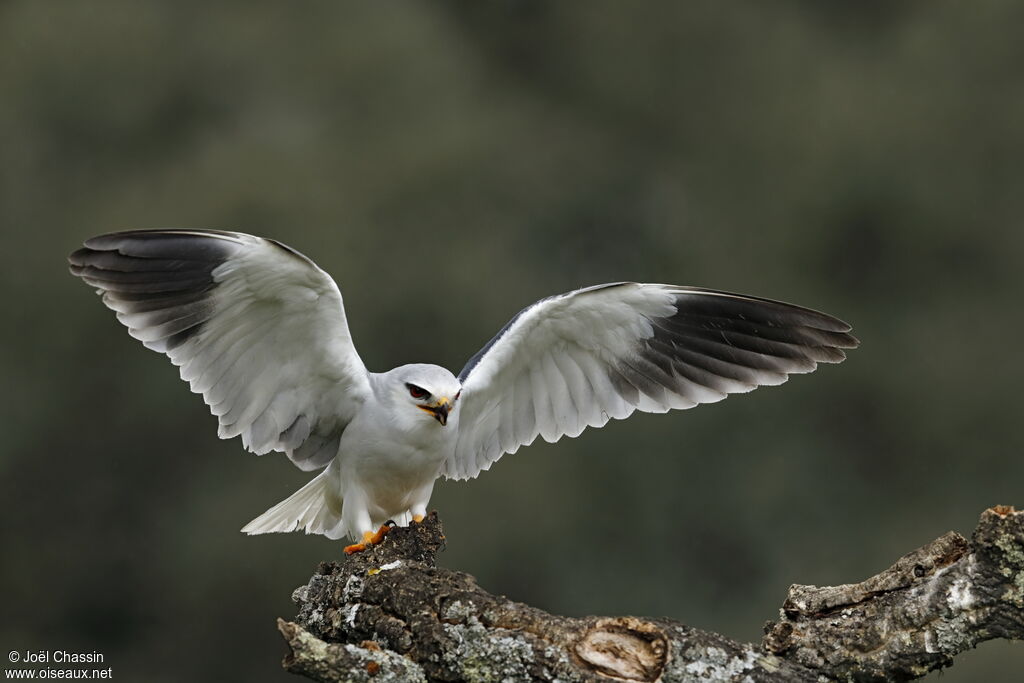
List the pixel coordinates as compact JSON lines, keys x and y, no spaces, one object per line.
{"x":580,"y":359}
{"x":255,"y":327}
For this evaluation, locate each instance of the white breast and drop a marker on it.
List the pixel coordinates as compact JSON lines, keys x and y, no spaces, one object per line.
{"x":391,"y":460}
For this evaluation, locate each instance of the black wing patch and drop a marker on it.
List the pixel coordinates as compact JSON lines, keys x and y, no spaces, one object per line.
{"x":728,"y":343}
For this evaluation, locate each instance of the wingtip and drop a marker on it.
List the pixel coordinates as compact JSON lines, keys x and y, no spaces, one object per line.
{"x":108,"y":241}
{"x":845,"y":340}
{"x":78,"y":256}
{"x":837,"y":325}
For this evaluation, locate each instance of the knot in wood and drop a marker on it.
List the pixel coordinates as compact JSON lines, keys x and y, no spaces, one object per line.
{"x":778,"y":637}
{"x":625,"y":649}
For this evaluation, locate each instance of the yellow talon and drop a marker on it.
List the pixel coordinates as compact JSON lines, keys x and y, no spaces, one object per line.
{"x":379,"y":536}
{"x":418,"y":518}
{"x":369,"y":538}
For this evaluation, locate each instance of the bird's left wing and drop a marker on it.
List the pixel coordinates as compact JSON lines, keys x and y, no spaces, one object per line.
{"x":254,"y":326}
{"x":583,"y":358}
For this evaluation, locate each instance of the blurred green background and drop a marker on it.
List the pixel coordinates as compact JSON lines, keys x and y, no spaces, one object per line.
{"x":449,"y":163}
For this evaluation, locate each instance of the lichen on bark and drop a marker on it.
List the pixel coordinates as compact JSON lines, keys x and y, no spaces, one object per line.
{"x":391,"y":614}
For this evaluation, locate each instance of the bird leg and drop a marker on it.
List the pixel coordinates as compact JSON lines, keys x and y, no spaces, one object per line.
{"x":369,"y":538}
{"x":418,"y":518}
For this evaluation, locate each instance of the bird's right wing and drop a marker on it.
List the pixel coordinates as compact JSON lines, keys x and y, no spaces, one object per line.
{"x":580,"y":359}
{"x":254,"y":326}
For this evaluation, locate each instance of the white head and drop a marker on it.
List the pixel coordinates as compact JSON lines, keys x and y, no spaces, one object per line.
{"x":427,"y":392}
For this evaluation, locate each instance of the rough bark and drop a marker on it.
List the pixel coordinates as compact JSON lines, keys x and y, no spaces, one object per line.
{"x":390,"y":614}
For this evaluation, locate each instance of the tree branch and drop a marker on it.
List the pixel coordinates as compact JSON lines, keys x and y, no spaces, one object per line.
{"x":914,"y":617}
{"x":390,"y":614}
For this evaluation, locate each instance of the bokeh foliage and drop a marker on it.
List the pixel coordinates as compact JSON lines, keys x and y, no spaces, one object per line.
{"x":449,"y":163}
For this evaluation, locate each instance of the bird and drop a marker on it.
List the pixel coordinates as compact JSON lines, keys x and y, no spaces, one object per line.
{"x":260,"y":331}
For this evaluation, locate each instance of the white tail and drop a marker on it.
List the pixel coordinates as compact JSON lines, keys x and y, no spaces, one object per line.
{"x":315,"y":507}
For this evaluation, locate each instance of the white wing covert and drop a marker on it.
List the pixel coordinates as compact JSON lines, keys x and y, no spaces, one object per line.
{"x":254,"y":326}
{"x":578,"y":360}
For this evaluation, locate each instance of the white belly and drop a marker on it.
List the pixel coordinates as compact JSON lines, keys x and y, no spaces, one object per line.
{"x":392,"y":469}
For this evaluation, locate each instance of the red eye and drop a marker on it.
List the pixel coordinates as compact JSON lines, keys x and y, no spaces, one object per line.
{"x":417,"y":392}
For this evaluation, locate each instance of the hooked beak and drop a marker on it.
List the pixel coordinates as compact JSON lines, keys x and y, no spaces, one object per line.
{"x":439,"y":409}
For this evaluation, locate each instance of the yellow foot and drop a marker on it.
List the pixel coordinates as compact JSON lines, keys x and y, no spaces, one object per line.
{"x":418,"y":518}
{"x":369,"y":538}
